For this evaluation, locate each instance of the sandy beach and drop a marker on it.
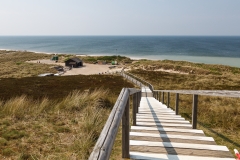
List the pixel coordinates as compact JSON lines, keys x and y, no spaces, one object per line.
{"x":87,"y":68}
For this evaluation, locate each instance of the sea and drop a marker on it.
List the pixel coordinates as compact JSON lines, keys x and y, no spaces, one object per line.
{"x":223,"y":50}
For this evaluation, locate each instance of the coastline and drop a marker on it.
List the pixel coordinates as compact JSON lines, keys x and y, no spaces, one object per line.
{"x":227,"y":61}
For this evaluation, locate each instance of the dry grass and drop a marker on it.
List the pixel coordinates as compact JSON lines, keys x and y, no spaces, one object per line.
{"x":186,"y":67}
{"x":47,"y":129}
{"x":13,"y":64}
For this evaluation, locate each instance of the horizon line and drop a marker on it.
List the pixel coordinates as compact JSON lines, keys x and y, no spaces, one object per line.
{"x":124,"y":35}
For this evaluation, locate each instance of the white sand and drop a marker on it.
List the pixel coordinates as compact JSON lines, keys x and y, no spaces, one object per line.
{"x":87,"y":69}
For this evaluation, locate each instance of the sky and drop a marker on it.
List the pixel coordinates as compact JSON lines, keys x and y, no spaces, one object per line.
{"x":120,"y":17}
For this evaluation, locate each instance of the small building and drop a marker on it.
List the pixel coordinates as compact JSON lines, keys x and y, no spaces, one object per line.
{"x":74,"y":62}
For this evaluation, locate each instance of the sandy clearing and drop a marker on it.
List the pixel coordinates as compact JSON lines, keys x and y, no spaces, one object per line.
{"x":87,"y":69}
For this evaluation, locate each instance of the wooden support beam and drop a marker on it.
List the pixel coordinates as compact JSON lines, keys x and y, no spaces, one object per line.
{"x":168,"y":99}
{"x":176,"y":103}
{"x":125,"y":132}
{"x":194,"y":111}
{"x":134,"y":109}
{"x":162,"y":97}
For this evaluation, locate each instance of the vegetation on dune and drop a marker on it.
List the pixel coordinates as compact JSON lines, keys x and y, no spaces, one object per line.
{"x":49,"y":129}
{"x":108,"y":59}
{"x":13,"y":64}
{"x":55,"y":117}
{"x":186,"y":67}
{"x":219,"y":117}
{"x":58,"y":87}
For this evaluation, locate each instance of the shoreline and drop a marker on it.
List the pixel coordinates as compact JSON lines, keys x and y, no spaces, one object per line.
{"x":227,"y":61}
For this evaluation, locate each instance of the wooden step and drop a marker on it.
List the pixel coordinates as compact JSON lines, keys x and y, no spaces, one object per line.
{"x":162,"y":124}
{"x":179,"y":145}
{"x":156,"y":156}
{"x":197,"y":138}
{"x":166,"y":129}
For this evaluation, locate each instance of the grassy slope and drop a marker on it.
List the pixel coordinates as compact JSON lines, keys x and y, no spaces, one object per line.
{"x":218,"y":117}
{"x":51,"y":117}
{"x":50,"y":123}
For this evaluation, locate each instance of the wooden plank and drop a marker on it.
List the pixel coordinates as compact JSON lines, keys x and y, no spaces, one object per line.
{"x":157,"y":111}
{"x":160,"y":118}
{"x":179,"y":145}
{"x":156,"y":116}
{"x":163,"y":120}
{"x":198,"y":138}
{"x":166,"y":113}
{"x":156,"y":156}
{"x":163,"y":124}
{"x":142,"y":108}
{"x":166,"y":129}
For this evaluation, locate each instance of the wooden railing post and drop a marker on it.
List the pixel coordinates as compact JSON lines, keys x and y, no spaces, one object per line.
{"x":137,"y":102}
{"x":176,"y":103}
{"x":125,"y":132}
{"x":168,"y":99}
{"x":134,"y":109}
{"x":194,"y":111}
{"x":159,"y":98}
{"x":162,"y":97}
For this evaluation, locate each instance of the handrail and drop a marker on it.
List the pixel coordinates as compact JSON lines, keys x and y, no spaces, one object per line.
{"x":224,"y":93}
{"x":103,"y":147}
{"x":135,"y":78}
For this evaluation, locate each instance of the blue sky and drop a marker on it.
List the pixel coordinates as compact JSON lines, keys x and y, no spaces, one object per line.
{"x":120,"y":17}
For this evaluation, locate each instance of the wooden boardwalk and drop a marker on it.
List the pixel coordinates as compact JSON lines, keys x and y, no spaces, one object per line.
{"x":160,"y":134}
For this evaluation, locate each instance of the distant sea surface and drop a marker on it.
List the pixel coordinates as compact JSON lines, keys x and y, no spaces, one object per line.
{"x":202,"y":49}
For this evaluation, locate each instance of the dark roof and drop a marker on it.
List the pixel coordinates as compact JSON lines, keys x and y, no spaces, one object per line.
{"x":72,"y":62}
{"x":75,"y":59}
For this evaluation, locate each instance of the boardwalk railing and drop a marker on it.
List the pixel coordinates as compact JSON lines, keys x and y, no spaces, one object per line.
{"x":138,"y":81}
{"x":120,"y":112}
{"x":159,"y":95}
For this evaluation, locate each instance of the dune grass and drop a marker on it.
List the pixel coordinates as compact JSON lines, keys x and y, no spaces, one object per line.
{"x":50,"y":129}
{"x":55,"y":117}
{"x":13,"y":64}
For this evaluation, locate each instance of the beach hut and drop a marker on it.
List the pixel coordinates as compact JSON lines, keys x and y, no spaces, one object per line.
{"x":74,"y":62}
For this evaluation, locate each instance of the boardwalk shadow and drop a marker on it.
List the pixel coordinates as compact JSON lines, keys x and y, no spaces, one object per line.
{"x":169,"y":150}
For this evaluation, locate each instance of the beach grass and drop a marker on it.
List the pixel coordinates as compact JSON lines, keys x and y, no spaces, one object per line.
{"x":46,"y":129}
{"x":55,"y":117}
{"x":14,"y":64}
